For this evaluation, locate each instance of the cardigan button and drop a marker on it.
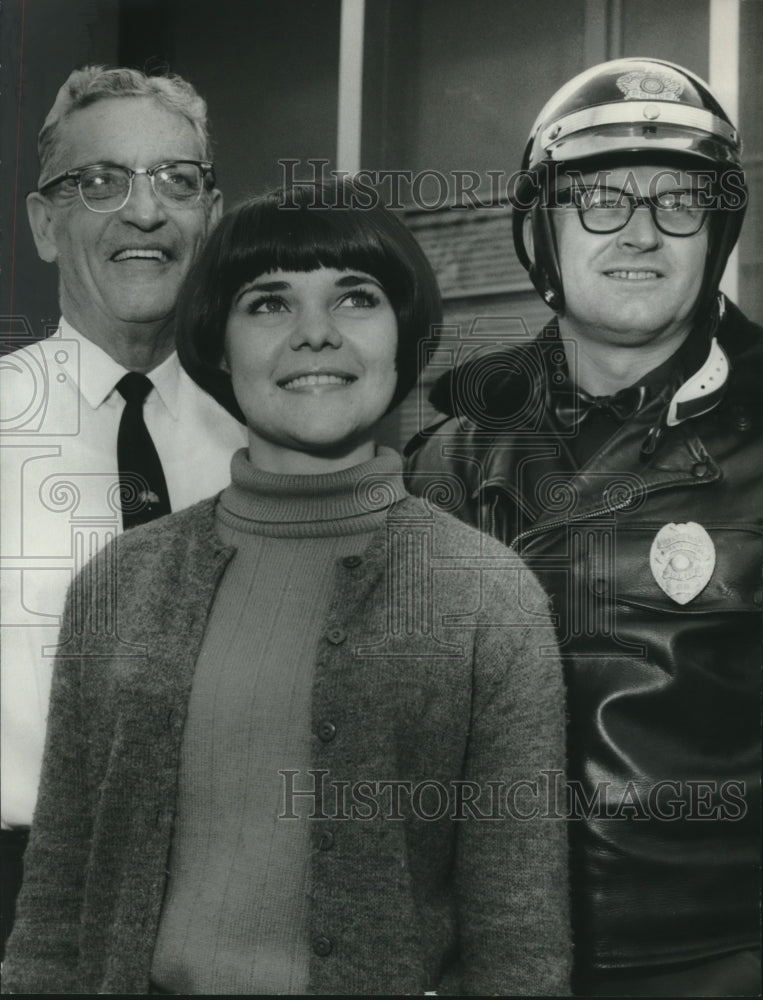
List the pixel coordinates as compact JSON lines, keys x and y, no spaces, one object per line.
{"x":326,"y":840}
{"x":336,"y":636}
{"x":326,"y":731}
{"x":351,"y":562}
{"x":322,"y":946}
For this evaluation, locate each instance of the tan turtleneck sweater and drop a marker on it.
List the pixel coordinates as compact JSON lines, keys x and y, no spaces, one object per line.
{"x":235,"y":913}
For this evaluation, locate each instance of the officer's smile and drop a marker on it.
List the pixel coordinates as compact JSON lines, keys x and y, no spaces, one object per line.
{"x":632,"y":274}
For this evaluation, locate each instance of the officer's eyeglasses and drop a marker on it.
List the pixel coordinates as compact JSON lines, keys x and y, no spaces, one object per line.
{"x":607,"y":210}
{"x":106,"y":187}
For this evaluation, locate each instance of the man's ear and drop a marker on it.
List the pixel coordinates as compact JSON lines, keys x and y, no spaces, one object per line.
{"x":527,"y":237}
{"x":216,"y":208}
{"x":40,"y":214}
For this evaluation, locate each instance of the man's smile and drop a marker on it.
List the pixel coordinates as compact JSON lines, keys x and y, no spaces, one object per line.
{"x":141,"y":253}
{"x":632,"y":274}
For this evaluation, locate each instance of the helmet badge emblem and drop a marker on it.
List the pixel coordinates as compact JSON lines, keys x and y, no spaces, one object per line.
{"x":682,"y":560}
{"x":652,"y":85}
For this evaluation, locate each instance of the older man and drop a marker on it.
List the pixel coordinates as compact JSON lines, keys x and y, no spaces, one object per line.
{"x":621,"y":454}
{"x":101,"y":428}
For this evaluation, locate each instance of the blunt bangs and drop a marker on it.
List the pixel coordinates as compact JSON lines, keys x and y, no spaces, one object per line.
{"x":304,"y":228}
{"x":270,"y":238}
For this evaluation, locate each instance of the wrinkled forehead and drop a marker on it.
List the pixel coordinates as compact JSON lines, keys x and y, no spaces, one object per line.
{"x":132,"y":131}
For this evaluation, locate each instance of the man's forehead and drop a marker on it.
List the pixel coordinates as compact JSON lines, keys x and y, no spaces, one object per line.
{"x":133,"y":131}
{"x":639,"y":175}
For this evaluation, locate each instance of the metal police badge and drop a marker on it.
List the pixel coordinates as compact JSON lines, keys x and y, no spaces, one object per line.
{"x":682,"y":560}
{"x":661,"y":85}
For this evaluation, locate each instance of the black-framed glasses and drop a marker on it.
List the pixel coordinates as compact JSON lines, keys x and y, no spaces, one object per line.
{"x":106,"y":187}
{"x":607,"y":210}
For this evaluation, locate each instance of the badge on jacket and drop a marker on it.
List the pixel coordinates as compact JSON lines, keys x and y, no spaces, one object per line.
{"x":682,"y":559}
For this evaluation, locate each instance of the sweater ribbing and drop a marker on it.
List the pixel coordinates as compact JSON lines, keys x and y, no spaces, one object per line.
{"x":235,"y":918}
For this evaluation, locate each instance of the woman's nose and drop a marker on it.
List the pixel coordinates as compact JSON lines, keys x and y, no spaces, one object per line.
{"x":315,"y":329}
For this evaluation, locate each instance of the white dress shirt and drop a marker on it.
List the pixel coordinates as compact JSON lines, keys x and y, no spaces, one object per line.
{"x":59,"y":418}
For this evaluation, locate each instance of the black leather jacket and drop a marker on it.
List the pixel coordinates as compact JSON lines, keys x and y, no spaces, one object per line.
{"x":664,"y":697}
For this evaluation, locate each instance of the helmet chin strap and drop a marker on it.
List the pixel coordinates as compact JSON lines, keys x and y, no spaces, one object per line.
{"x":553,"y":299}
{"x":544,"y":269}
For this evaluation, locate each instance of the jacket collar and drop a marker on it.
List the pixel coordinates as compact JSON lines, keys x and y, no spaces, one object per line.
{"x":510,"y":392}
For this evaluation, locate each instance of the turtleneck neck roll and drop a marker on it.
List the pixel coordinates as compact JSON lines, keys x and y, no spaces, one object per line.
{"x":351,"y":501}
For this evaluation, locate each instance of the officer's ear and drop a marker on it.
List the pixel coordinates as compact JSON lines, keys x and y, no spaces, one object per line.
{"x":527,"y":237}
{"x":41,"y":214}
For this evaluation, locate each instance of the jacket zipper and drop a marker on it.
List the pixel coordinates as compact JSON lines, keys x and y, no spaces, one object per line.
{"x":557,"y":524}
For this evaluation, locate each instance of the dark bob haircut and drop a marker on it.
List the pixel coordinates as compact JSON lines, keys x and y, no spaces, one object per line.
{"x":303,"y":228}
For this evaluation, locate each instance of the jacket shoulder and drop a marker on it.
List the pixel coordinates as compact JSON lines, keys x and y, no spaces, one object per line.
{"x":489,"y":384}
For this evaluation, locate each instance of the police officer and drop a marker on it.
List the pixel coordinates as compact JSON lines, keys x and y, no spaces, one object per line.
{"x":621,"y":454}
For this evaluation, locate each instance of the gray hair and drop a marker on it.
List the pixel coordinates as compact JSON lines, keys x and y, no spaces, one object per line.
{"x":94,"y":83}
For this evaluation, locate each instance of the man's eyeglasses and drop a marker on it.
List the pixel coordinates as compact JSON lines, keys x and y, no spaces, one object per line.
{"x":606,"y":210}
{"x":106,"y":187}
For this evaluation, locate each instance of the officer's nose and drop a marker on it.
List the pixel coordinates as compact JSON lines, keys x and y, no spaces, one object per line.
{"x":640,"y":233}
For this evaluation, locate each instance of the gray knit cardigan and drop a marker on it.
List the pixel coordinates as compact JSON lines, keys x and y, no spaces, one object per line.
{"x":400,"y":903}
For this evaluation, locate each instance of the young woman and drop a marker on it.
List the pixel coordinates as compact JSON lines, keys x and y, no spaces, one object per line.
{"x":310,"y":751}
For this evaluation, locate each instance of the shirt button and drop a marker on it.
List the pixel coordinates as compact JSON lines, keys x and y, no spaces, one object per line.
{"x":336,"y":636}
{"x":351,"y":562}
{"x":699,"y":470}
{"x":326,"y":731}
{"x":326,"y":840}
{"x":322,"y":946}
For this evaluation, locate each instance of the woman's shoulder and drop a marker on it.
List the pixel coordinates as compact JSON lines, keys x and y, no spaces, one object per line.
{"x":189,"y":522}
{"x":455,"y":537}
{"x":156,"y":548}
{"x":504,"y":577}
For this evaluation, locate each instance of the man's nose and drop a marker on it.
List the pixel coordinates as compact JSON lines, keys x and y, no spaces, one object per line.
{"x":641,"y":231}
{"x":143,"y":208}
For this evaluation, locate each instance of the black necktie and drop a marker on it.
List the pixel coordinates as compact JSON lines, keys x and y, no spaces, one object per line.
{"x":142,"y":486}
{"x":572,"y":406}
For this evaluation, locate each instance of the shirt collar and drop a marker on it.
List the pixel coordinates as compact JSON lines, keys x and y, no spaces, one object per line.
{"x":98,"y":373}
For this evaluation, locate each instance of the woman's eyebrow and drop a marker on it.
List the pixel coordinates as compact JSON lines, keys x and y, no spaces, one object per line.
{"x":262,"y":286}
{"x":349,"y":280}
